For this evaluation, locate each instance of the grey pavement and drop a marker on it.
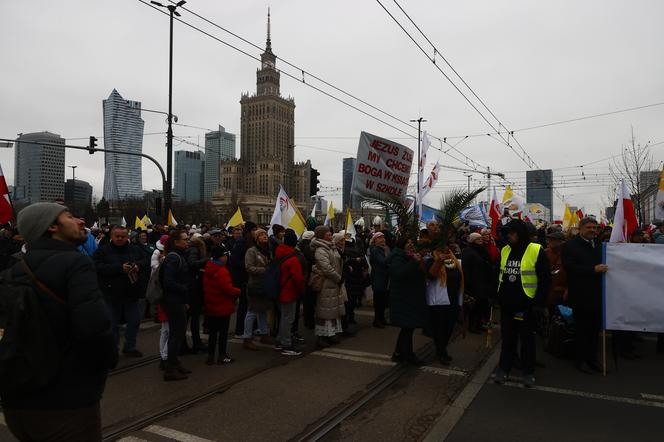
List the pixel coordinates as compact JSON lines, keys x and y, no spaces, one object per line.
{"x":626,"y":405}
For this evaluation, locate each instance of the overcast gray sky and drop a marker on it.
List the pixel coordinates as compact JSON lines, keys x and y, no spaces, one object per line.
{"x":531,"y":63}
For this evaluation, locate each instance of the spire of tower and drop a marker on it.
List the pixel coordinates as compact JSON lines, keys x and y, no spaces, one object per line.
{"x":268,"y":44}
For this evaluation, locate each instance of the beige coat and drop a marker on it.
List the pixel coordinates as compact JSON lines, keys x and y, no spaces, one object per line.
{"x":330,"y":298}
{"x":256,"y":263}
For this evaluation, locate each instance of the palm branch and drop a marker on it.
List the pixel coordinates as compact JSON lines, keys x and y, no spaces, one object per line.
{"x":451,"y":205}
{"x":407,"y":219}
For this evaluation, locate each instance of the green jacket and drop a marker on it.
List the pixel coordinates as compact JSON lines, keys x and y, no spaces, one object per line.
{"x":408,"y":307}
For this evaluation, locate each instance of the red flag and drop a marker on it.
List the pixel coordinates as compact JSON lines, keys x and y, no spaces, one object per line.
{"x":6,"y":211}
{"x":579,"y":213}
{"x":494,"y":214}
{"x":624,"y":222}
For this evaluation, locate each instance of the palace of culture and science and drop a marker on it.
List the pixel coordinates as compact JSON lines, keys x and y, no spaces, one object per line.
{"x":267,"y":143}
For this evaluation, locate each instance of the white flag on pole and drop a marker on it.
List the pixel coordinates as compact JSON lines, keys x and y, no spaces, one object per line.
{"x":431,"y":181}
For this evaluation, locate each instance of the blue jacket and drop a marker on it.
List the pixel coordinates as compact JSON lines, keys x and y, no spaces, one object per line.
{"x":89,"y":247}
{"x":176,"y":278}
{"x":380,"y":272}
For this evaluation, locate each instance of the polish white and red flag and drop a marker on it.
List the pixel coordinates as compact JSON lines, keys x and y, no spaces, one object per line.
{"x":431,"y":180}
{"x":494,"y":214}
{"x":624,"y":222}
{"x":6,"y":210}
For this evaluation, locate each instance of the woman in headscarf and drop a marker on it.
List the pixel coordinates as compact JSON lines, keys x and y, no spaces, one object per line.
{"x":256,"y":261}
{"x":380,"y":275}
{"x":327,"y":281}
{"x":445,"y":285}
{"x":408,"y":308}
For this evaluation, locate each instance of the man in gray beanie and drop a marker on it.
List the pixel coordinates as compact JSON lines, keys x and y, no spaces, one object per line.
{"x":67,"y":406}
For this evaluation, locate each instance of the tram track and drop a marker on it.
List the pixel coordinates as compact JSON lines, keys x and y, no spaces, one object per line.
{"x":319,"y":429}
{"x":314,"y":431}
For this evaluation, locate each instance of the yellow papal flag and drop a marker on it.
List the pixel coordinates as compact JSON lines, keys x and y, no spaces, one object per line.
{"x":330,"y":214}
{"x":350,"y":227}
{"x":139,"y":223}
{"x":236,"y":219}
{"x":508,"y":194}
{"x":567,"y":218}
{"x":171,"y":219}
{"x":146,"y":220}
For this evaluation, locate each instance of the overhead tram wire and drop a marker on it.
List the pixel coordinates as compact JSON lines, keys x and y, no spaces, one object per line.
{"x":304,"y":71}
{"x":309,"y":74}
{"x":524,"y":156}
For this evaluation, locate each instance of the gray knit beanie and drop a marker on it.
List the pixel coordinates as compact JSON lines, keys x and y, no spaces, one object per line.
{"x":35,"y":219}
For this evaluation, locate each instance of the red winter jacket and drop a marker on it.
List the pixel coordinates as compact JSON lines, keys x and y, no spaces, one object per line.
{"x":291,"y":280}
{"x":219,"y":291}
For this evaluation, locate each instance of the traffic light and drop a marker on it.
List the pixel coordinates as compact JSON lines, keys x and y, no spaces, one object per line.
{"x":314,"y":182}
{"x":92,"y":145}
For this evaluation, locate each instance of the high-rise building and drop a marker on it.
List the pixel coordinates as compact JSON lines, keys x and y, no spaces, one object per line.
{"x":267,"y":143}
{"x":123,"y":131}
{"x":78,"y":194}
{"x":219,"y":146}
{"x":348,"y":170}
{"x":189,"y":167}
{"x":39,"y":171}
{"x":539,"y":188}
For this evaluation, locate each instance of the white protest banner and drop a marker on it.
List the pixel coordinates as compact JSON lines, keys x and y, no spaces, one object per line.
{"x":382,"y":168}
{"x":633,"y":296}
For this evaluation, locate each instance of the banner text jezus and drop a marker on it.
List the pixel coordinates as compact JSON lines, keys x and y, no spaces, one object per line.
{"x":382,"y":168}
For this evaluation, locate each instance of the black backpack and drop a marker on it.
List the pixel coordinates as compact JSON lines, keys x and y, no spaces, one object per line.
{"x":30,"y":354}
{"x":272,"y":277}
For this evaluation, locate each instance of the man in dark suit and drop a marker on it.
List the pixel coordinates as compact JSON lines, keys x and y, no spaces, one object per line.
{"x":582,"y":259}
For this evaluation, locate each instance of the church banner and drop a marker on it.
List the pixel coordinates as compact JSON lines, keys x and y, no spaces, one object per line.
{"x":382,"y":168}
{"x":633,"y":295}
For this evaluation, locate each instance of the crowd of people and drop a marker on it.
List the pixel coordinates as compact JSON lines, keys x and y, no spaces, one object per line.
{"x":274,"y":282}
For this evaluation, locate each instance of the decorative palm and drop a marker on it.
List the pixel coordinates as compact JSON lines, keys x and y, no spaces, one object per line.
{"x":407,"y":219}
{"x":451,"y":205}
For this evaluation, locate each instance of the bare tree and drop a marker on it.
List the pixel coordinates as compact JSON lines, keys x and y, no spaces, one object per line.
{"x":633,"y":160}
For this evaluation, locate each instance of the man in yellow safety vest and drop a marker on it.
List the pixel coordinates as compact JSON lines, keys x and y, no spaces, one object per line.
{"x":524,"y":278}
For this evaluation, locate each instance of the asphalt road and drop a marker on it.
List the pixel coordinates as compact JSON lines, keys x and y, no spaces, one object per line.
{"x":626,"y":405}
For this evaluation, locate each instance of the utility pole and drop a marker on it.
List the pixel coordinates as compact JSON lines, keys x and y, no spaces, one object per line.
{"x":418,"y":202}
{"x":169,"y":134}
{"x":468,"y":176}
{"x":73,"y":177}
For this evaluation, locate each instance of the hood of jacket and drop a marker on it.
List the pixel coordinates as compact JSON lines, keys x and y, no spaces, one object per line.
{"x":283,"y":250}
{"x":321,"y":243}
{"x":211,"y":268}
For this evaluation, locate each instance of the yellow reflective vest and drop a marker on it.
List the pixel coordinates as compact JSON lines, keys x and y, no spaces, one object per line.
{"x":528,"y":261}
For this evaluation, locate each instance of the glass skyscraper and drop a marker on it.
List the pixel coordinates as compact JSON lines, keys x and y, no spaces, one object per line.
{"x":539,"y":188}
{"x":123,"y":131}
{"x":348,"y":170}
{"x":219,"y":146}
{"x":189,"y":176}
{"x":39,"y":171}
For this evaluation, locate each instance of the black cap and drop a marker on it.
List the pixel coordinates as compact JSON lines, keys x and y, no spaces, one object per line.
{"x":218,"y":251}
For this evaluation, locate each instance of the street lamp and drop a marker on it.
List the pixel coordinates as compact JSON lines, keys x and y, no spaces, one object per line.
{"x":73,"y":177}
{"x":169,"y":134}
{"x":419,"y":122}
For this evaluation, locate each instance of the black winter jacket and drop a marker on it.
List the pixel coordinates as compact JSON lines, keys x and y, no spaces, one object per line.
{"x":82,"y":328}
{"x":113,"y":281}
{"x":584,"y":285}
{"x":176,"y":278}
{"x":480,"y":276}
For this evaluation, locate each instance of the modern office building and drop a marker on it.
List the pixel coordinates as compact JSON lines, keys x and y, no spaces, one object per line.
{"x":78,"y":194}
{"x":39,"y":171}
{"x":267,"y":149}
{"x":348,"y":170}
{"x":123,"y":131}
{"x":539,"y":188}
{"x":219,"y":146}
{"x":189,"y":168}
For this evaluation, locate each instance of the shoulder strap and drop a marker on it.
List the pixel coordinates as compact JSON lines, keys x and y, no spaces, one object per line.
{"x":40,"y":284}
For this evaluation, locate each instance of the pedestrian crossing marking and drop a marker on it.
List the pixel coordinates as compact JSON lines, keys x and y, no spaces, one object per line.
{"x":174,"y":434}
{"x":584,"y":394}
{"x":652,"y":396}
